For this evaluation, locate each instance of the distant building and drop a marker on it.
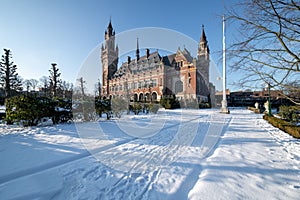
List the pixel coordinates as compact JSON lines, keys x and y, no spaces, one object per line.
{"x":149,"y":76}
{"x":219,"y":97}
{"x":249,"y":98}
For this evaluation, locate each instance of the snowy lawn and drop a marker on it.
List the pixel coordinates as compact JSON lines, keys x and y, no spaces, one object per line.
{"x":178,"y":154}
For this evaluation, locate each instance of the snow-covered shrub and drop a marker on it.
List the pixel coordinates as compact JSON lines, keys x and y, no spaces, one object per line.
{"x":118,"y":106}
{"x":154,"y":108}
{"x":290,"y":113}
{"x":30,"y":109}
{"x":136,"y":108}
{"x":103,"y":106}
{"x":284,"y":125}
{"x":169,"y":102}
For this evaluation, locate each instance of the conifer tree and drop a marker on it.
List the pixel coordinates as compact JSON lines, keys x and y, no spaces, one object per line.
{"x":9,"y":78}
{"x":54,"y":79}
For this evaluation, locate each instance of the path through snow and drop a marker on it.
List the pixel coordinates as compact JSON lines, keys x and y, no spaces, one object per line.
{"x":236,"y":156}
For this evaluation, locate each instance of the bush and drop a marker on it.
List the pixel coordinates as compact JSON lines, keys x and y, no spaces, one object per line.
{"x":284,"y":126}
{"x":30,"y":109}
{"x":103,"y":106}
{"x":290,"y":113}
{"x":118,"y":105}
{"x":255,"y":110}
{"x":27,"y":110}
{"x":136,"y":108}
{"x":154,"y":108}
{"x":63,"y":110}
{"x":169,"y":102}
{"x":204,"y":105}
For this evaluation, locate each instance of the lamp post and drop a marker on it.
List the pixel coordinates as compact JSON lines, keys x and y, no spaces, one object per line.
{"x":269,"y":100}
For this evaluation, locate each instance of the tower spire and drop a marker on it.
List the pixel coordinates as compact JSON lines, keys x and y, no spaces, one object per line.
{"x":203,"y":36}
{"x":110,"y":31}
{"x":137,"y":49}
{"x":203,"y":49}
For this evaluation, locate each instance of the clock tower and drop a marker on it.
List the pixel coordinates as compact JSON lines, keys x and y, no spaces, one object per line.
{"x":109,"y":58}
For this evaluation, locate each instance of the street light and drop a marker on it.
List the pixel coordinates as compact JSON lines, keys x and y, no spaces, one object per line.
{"x":269,"y":99}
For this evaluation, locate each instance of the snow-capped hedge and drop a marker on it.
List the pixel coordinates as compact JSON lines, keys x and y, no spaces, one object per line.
{"x":30,"y":109}
{"x":284,"y":126}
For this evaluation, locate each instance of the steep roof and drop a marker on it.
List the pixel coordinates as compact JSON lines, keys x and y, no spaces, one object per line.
{"x":187,"y":55}
{"x":203,"y":36}
{"x":142,"y":64}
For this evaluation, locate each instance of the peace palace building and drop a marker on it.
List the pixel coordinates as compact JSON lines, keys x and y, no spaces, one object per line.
{"x":150,"y":76}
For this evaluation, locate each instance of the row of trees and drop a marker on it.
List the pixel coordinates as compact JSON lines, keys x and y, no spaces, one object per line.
{"x":11,"y":83}
{"x":48,"y":98}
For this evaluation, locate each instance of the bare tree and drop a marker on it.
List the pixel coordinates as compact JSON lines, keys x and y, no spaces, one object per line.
{"x":27,"y":84}
{"x":34,"y":83}
{"x":66,"y":89}
{"x":30,"y":84}
{"x":82,"y":86}
{"x":44,"y":84}
{"x":267,"y":48}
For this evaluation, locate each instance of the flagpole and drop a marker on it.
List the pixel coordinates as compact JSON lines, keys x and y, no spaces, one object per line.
{"x":224,"y":108}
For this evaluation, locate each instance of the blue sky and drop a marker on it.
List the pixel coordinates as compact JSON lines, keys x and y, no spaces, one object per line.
{"x":65,"y":31}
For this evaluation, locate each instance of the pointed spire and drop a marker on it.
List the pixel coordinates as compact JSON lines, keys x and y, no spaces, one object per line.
{"x":109,"y":25}
{"x":203,"y":48}
{"x":203,"y":36}
{"x":109,"y":32}
{"x":137,"y":49}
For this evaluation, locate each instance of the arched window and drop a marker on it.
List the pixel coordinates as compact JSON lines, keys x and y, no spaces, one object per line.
{"x":135,"y":97}
{"x":154,"y":96}
{"x":147,"y":97}
{"x":141,"y":97}
{"x":178,"y":87}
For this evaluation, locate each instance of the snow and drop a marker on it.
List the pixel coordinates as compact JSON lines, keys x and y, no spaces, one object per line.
{"x":177,"y":154}
{"x":2,"y":109}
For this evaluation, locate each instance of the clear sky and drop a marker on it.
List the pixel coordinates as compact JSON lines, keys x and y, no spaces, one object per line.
{"x":41,"y":32}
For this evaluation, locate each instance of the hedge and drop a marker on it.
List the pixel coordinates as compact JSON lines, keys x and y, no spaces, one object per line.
{"x":285,"y":126}
{"x":30,"y":109}
{"x":255,"y":110}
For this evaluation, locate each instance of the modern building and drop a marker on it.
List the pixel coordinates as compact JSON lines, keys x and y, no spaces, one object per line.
{"x":149,"y":76}
{"x":249,"y":98}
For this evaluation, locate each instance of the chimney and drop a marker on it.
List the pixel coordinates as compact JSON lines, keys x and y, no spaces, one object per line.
{"x":147,"y":53}
{"x":128,"y":60}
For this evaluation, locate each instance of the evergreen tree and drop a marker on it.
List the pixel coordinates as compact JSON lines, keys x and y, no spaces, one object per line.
{"x":9,"y":78}
{"x":54,"y":79}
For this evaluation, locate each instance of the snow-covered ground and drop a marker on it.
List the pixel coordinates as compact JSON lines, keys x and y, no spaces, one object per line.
{"x":178,"y":154}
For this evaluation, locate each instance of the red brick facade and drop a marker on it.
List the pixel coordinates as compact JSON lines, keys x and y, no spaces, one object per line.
{"x":148,"y":77}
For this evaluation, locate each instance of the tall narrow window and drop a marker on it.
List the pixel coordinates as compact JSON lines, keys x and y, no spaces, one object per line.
{"x":178,"y":86}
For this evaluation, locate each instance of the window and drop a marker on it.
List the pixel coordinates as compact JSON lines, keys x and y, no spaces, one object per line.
{"x":178,"y":86}
{"x":154,"y":83}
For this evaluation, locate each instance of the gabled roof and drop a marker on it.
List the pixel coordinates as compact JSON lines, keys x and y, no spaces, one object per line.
{"x":136,"y":66}
{"x":168,"y":60}
{"x":187,"y":55}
